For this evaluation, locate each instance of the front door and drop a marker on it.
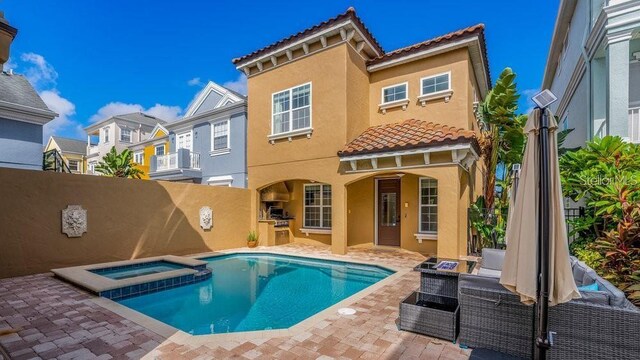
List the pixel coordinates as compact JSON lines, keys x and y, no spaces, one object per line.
{"x":388,"y":212}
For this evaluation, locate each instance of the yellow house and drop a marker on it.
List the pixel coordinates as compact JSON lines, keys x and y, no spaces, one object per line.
{"x":349,"y":145}
{"x":156,"y":144}
{"x":72,"y":151}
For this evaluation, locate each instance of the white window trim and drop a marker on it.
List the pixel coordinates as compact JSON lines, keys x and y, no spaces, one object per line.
{"x":420,"y":231}
{"x":78,"y":169}
{"x":183,"y":133}
{"x":298,"y":132}
{"x":106,"y":134}
{"x":226,"y":150}
{"x":224,"y":180}
{"x":136,"y":153}
{"x":155,"y":149}
{"x":130,"y":135}
{"x":309,"y":229}
{"x":383,"y":106}
{"x":446,"y":94}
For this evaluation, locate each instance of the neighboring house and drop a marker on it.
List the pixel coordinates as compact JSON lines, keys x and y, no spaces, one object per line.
{"x":364,"y":147}
{"x":120,"y":131}
{"x":594,"y":68}
{"x":208,"y":145}
{"x":156,"y":144}
{"x":72,"y":151}
{"x":22,"y":113}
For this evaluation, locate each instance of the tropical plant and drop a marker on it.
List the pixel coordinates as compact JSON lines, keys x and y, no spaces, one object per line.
{"x":606,"y":176}
{"x":252,"y":238}
{"x":502,"y":139}
{"x":119,"y":165}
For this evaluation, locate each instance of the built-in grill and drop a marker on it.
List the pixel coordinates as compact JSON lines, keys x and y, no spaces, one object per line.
{"x":281,"y":223}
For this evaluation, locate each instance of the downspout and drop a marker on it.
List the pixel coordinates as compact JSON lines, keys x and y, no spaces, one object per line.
{"x":587,"y":62}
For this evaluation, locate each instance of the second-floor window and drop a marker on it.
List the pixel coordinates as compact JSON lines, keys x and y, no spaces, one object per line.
{"x":74,"y":165}
{"x":434,"y":84}
{"x":159,"y":149}
{"x":105,"y":135}
{"x":138,"y":157}
{"x":291,"y":109}
{"x":220,"y":137}
{"x":394,"y":93}
{"x":184,"y":141}
{"x":125,"y":135}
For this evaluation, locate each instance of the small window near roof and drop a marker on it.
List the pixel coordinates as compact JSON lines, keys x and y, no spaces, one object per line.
{"x":434,"y":84}
{"x":138,"y":157}
{"x":160,"y":150}
{"x":125,"y":135}
{"x":220,"y":136}
{"x":394,"y":93}
{"x":74,"y":165}
{"x":291,"y":110}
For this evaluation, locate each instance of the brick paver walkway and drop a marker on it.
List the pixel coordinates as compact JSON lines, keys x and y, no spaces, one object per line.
{"x":53,"y":319}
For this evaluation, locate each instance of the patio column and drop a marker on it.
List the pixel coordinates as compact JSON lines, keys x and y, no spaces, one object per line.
{"x":618,"y":84}
{"x":338,"y":219}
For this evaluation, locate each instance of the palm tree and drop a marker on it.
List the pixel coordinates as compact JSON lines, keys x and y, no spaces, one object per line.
{"x":119,"y":165}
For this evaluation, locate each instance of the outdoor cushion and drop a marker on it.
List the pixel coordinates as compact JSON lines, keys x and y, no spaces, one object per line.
{"x":590,"y":287}
{"x":594,"y":297}
{"x":492,"y":259}
{"x":489,"y":272}
{"x":616,"y":296}
{"x":586,"y":275}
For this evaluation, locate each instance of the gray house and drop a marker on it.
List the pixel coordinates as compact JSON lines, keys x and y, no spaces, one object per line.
{"x":594,"y":69}
{"x":22,"y":113}
{"x":208,"y":145}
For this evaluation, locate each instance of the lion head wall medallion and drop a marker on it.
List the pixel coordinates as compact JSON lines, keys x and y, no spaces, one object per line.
{"x":74,"y":221}
{"x":206,"y":218}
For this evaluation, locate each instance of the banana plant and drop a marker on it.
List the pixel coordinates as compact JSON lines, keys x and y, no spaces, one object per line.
{"x":119,"y":165}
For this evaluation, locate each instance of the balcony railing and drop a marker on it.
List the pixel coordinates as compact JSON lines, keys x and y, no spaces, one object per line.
{"x":634,"y":125}
{"x":171,"y":161}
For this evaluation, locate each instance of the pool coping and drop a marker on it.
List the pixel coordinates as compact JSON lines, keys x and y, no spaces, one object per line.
{"x":183,"y":338}
{"x":83,"y":277}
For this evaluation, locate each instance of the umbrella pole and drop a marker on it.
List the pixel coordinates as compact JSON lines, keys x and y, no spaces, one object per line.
{"x":542,"y":339}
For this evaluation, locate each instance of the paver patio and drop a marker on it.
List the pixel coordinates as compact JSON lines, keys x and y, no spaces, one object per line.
{"x":57,"y":320}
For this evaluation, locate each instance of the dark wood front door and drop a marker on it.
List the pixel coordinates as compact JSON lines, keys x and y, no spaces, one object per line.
{"x":389,"y":212}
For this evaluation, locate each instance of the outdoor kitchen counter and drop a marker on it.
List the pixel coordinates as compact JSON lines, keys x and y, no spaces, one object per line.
{"x":271,"y":235}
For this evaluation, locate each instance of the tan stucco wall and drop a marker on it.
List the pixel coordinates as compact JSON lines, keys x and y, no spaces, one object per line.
{"x":452,"y":113}
{"x":126,"y":218}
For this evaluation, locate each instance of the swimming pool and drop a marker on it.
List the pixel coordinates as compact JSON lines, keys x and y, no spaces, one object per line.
{"x":256,"y":292}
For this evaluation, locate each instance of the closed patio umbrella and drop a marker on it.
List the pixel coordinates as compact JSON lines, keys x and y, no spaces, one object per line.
{"x":538,"y":212}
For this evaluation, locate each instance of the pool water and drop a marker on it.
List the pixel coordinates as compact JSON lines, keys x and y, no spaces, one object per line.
{"x":126,"y":272}
{"x":256,"y":292}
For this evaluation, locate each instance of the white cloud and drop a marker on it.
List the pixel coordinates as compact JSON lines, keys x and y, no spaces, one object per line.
{"x":164,"y":112}
{"x":195,"y":82}
{"x":528,"y":94}
{"x":10,"y":65}
{"x":65,"y":110}
{"x":39,"y":72}
{"x":239,"y":85}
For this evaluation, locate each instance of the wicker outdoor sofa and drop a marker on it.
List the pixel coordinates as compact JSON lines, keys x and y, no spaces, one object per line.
{"x":601,"y":325}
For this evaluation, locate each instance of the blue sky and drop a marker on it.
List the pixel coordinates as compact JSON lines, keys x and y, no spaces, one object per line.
{"x":90,"y":59}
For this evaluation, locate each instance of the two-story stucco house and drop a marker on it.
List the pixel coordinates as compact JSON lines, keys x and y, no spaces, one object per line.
{"x":594,"y":68}
{"x":349,"y":145}
{"x":71,"y":151}
{"x":207,"y":146}
{"x":22,"y":112}
{"x":120,"y":131}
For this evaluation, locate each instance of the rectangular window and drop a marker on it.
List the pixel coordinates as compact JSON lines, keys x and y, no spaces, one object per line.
{"x":138,"y":157}
{"x":394,"y":93}
{"x":291,"y":109}
{"x":220,"y":137}
{"x":317,"y":206}
{"x":184,"y":141}
{"x":428,"y":205}
{"x":159,"y":149}
{"x":105,"y":135}
{"x":437,"y":83}
{"x":74,"y":165}
{"x":125,"y":135}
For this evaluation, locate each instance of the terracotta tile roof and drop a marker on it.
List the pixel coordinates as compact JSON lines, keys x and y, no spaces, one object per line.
{"x":406,"y":135}
{"x":440,"y":40}
{"x":349,"y":14}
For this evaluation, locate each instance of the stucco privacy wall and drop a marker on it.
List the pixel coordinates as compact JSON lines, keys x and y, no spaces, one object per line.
{"x":126,"y":219}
